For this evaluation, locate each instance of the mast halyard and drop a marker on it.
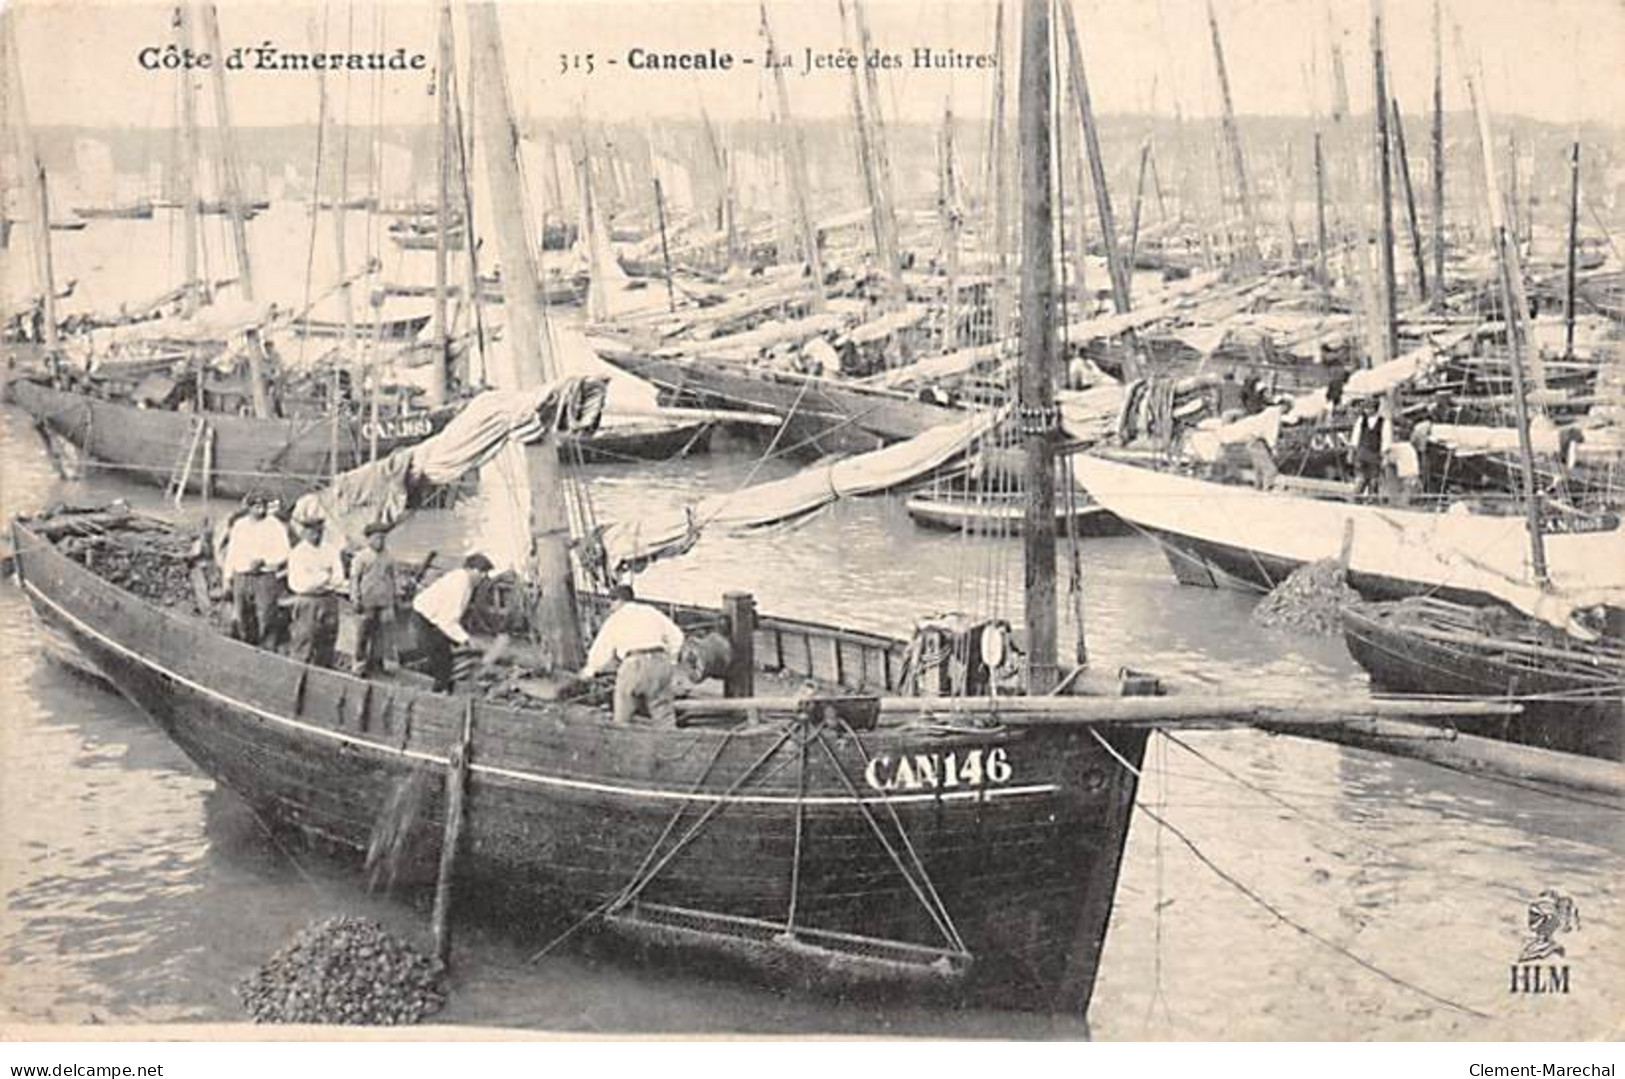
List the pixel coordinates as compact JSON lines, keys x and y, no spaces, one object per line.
{"x":1036,"y":407}
{"x":527,"y":362}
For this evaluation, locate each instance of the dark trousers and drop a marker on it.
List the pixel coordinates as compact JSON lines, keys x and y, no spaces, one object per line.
{"x":369,"y":639}
{"x":437,"y":648}
{"x":315,"y":628}
{"x":254,"y":608}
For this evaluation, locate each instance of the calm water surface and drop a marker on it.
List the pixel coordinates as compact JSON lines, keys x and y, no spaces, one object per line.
{"x":136,"y":891}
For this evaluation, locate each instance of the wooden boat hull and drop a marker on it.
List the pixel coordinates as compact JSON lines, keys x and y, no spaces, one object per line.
{"x":1227,"y":535}
{"x":277,"y":456}
{"x":1400,"y":660}
{"x":1022,"y":857}
{"x":658,"y":441}
{"x":821,"y":416}
{"x":1005,"y":518}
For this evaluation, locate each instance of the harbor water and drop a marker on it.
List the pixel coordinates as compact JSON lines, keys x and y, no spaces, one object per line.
{"x":1272,"y":887}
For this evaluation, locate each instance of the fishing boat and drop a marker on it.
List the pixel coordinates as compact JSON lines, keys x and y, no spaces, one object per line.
{"x":831,"y":840}
{"x":1573,"y":692}
{"x":1003,"y":513}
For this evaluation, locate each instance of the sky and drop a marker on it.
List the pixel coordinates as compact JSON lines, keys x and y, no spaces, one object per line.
{"x":1556,"y":60}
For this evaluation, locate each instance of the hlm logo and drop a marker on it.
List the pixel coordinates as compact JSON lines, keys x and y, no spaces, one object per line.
{"x":1553,"y":913}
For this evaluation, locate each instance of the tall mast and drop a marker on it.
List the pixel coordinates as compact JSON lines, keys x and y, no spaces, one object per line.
{"x":527,"y":362}
{"x":186,"y":167}
{"x":1512,"y":300}
{"x":869,"y":159}
{"x":1385,"y":188}
{"x":229,"y":177}
{"x":873,"y":131}
{"x":1097,"y":166}
{"x":950,"y":230}
{"x":1322,"y":268}
{"x":39,"y":189}
{"x":1037,"y":412}
{"x":1574,"y":246}
{"x":1232,"y":138}
{"x":442,"y":247}
{"x":1438,"y":160}
{"x":795,"y":152}
{"x":999,"y":175}
{"x":1410,"y":205}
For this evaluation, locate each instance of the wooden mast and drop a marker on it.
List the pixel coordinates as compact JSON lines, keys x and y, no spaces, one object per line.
{"x":795,"y":153}
{"x":885,"y":255}
{"x":527,"y":362}
{"x":1572,"y":276}
{"x":1410,"y":205}
{"x":665,"y":250}
{"x":1438,"y":160}
{"x":1036,"y":410}
{"x":949,"y":211}
{"x":229,"y":179}
{"x":44,"y":264}
{"x":1097,"y":166}
{"x":1511,"y":295}
{"x":999,"y":182}
{"x":1385,"y":189}
{"x":1232,"y":139}
{"x":1322,"y":267}
{"x":873,"y":131}
{"x":186,"y":168}
{"x":442,"y":246}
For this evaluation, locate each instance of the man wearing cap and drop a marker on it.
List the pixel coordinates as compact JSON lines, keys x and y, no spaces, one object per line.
{"x":372,"y":597}
{"x":256,"y":551}
{"x":646,"y":643}
{"x":315,"y":574}
{"x":438,"y":611}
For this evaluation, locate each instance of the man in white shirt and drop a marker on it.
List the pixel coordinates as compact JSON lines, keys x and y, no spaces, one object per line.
{"x":646,"y":643}
{"x":315,"y":574}
{"x":437,"y":613}
{"x":256,"y":551}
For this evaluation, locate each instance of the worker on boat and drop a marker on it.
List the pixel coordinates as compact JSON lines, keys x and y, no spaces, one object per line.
{"x":315,"y":575}
{"x":256,"y":552}
{"x":1365,"y":452}
{"x":372,"y":598}
{"x":438,"y":612}
{"x":646,"y":643}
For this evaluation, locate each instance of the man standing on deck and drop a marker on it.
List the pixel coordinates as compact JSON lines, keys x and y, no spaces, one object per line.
{"x":372,"y":597}
{"x":646,"y":643}
{"x":315,"y":573}
{"x":438,"y":614}
{"x":256,"y":551}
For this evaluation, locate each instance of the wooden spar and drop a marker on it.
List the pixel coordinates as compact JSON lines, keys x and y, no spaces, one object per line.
{"x":1388,"y":297}
{"x":885,"y":253}
{"x":1097,"y":166}
{"x":45,"y":269}
{"x":527,"y":362}
{"x":1080,"y":229}
{"x":1322,"y":268}
{"x":1197,"y":710}
{"x":42,"y":197}
{"x":463,"y":132}
{"x":186,"y":168}
{"x":1437,"y":300}
{"x":1410,"y":205}
{"x":1572,"y":275}
{"x":1232,"y":139}
{"x":665,"y":251}
{"x":1515,"y":311}
{"x":1037,"y":413}
{"x":1139,"y":201}
{"x":229,"y":179}
{"x":795,"y":155}
{"x":1472,"y":754}
{"x":999,"y":181}
{"x":457,"y":763}
{"x":874,"y":131}
{"x":436,"y":386}
{"x":950,"y":230}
